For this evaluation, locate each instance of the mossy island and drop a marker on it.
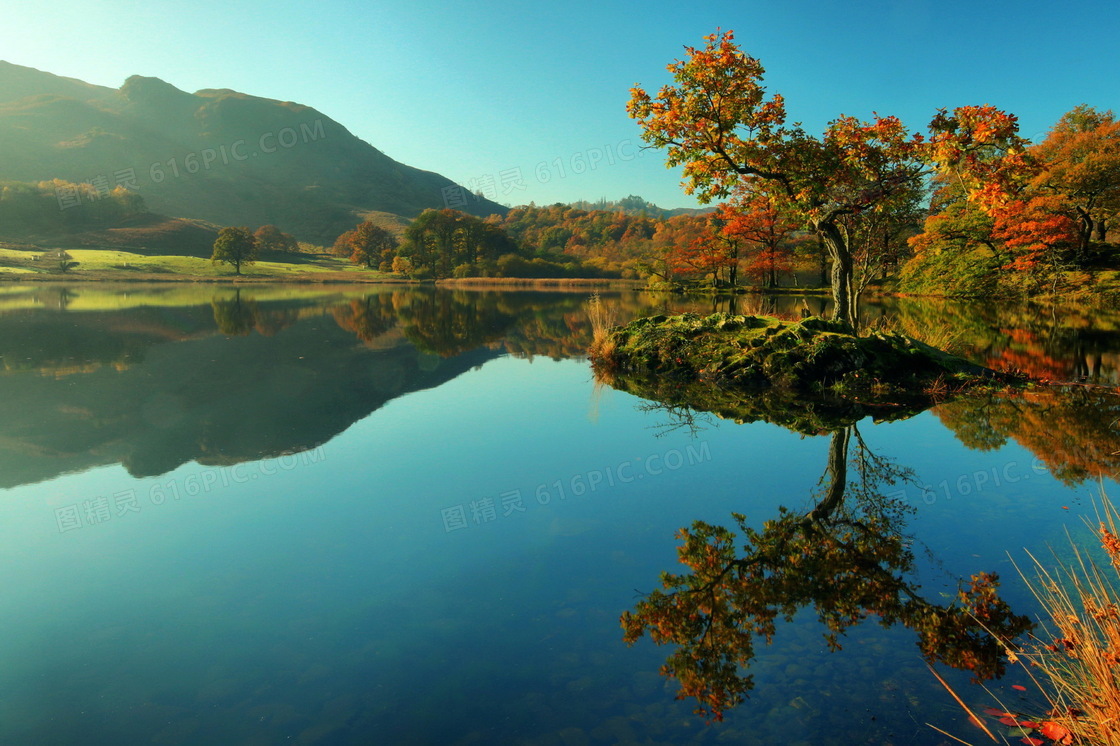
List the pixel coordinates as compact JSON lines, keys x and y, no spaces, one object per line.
{"x":809,"y":374}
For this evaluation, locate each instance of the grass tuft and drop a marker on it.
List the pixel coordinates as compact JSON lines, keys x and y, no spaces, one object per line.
{"x":603,"y":319}
{"x":1076,"y":661}
{"x":1081,"y":660}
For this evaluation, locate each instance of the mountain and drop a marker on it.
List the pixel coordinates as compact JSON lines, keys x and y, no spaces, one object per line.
{"x":215,"y":155}
{"x":635,"y":205}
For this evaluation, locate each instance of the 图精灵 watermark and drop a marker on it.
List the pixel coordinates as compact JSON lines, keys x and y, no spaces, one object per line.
{"x":491,"y":508}
{"x":119,"y":505}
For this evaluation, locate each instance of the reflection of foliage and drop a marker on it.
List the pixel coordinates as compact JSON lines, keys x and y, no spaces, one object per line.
{"x":1057,"y":343}
{"x":846,"y":557}
{"x":368,"y":318}
{"x":235,"y":317}
{"x":238,"y":316}
{"x":808,"y":415}
{"x":452,"y":323}
{"x":1074,"y":431}
{"x":524,"y":322}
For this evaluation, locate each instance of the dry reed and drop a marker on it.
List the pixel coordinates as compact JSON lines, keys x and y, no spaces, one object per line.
{"x":1075,"y":660}
{"x":603,"y":318}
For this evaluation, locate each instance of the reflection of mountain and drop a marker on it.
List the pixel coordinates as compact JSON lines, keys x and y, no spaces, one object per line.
{"x":228,"y":375}
{"x":208,"y":397}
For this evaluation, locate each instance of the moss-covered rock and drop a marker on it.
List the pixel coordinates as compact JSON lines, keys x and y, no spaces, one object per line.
{"x":814,"y":359}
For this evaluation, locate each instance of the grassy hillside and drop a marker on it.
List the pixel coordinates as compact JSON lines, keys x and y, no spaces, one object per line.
{"x":28,"y":263}
{"x":215,"y":155}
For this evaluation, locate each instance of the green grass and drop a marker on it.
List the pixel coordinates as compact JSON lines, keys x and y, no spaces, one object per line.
{"x":110,"y":264}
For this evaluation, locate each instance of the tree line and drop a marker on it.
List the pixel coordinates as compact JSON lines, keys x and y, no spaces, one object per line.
{"x":861,"y":186}
{"x":967,"y":207}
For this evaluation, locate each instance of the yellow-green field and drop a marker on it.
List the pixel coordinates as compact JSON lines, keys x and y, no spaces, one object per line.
{"x":125,"y":266}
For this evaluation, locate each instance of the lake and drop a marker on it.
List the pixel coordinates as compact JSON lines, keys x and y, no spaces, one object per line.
{"x":320,"y":515}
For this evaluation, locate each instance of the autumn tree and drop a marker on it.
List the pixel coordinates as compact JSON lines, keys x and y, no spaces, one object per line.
{"x":719,"y":125}
{"x":341,"y":246}
{"x":1037,"y":233}
{"x":761,"y":221}
{"x":235,"y":246}
{"x":372,"y":246}
{"x":271,"y":238}
{"x":691,"y":248}
{"x":1080,"y":160}
{"x":955,"y":250}
{"x":616,"y":238}
{"x":879,"y":239}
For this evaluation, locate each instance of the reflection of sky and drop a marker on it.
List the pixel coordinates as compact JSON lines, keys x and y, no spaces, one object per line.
{"x":306,"y":586}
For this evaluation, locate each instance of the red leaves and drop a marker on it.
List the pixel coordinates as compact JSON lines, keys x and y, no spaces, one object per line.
{"x":1056,"y":732}
{"x":1049,"y":729}
{"x":1034,"y":230}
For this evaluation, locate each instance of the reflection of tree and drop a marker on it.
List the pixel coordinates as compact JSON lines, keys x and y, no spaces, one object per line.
{"x":449,"y":324}
{"x":1075,"y":430}
{"x":57,"y":298}
{"x":525,"y":323}
{"x":367,"y":318}
{"x":1061,"y":344}
{"x":846,"y":557}
{"x":235,"y":316}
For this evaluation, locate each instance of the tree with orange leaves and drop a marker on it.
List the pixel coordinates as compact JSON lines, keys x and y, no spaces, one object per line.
{"x":718,"y":123}
{"x":689,"y":249}
{"x":761,"y":222}
{"x":1037,"y":232}
{"x":1081,"y":165}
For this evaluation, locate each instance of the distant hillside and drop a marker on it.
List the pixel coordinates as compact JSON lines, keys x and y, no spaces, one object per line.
{"x":635,"y":205}
{"x":57,"y":213}
{"x":215,"y":155}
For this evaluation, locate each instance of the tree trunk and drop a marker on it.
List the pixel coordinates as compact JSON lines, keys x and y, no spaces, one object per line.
{"x":822,"y":256}
{"x":842,"y":296}
{"x":1100,"y":230}
{"x":1085,"y":233}
{"x":836,"y":477}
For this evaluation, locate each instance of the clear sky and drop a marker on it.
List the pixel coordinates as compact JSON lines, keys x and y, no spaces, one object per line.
{"x":475,"y":90}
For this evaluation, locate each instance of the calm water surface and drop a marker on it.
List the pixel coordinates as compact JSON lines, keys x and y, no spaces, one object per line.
{"x":283,"y":515}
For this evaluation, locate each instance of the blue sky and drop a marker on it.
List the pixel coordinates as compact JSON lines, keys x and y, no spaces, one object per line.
{"x":475,"y":90}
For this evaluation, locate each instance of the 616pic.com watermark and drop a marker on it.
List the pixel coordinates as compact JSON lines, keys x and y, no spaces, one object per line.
{"x":115,"y":506}
{"x":511,"y":502}
{"x":99,"y":187}
{"x":976,"y":482}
